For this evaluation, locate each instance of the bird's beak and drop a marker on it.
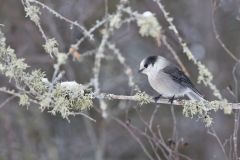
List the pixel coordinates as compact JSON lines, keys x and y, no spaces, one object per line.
{"x":140,"y":70}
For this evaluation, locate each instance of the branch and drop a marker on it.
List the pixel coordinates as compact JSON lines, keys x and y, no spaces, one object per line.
{"x":235,"y":106}
{"x":74,"y":23}
{"x":7,"y":101}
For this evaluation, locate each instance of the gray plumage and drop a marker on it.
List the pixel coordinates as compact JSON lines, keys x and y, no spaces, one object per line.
{"x":167,"y":79}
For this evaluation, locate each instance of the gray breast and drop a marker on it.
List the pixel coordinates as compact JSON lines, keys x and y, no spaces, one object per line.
{"x":164,"y":85}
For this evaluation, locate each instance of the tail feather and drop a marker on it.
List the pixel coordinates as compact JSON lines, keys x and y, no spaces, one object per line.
{"x":195,"y":96}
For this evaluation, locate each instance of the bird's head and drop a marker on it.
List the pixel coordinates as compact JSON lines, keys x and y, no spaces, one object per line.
{"x":152,"y":64}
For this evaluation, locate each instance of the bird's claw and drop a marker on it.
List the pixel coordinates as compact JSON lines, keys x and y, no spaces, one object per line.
{"x":171,"y":100}
{"x":157,"y":98}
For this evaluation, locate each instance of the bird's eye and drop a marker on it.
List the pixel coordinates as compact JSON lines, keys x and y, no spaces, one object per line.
{"x":145,"y":65}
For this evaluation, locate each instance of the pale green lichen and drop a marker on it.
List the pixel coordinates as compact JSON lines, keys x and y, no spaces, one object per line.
{"x":223,"y":105}
{"x":115,"y":21}
{"x":16,"y":68}
{"x":189,"y":54}
{"x":215,"y":105}
{"x":75,"y":96}
{"x":64,"y":98}
{"x":45,"y":101}
{"x":204,"y":75}
{"x":216,"y":92}
{"x":142,"y":98}
{"x":207,"y":120}
{"x":198,"y":109}
{"x":24,"y":100}
{"x":33,"y":13}
{"x":149,"y":26}
{"x":35,"y":81}
{"x":51,"y":47}
{"x":61,"y":58}
{"x":227,"y":109}
{"x":11,"y":67}
{"x":202,"y":109}
{"x":82,"y":103}
{"x":61,"y":105}
{"x":2,"y":40}
{"x":192,"y":108}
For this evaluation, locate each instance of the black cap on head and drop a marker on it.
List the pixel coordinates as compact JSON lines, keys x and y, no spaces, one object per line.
{"x":151,"y":60}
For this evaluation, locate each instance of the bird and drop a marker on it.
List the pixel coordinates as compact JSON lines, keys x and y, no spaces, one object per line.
{"x":168,"y":79}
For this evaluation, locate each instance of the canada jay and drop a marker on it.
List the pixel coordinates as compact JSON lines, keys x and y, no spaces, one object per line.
{"x":167,"y":79}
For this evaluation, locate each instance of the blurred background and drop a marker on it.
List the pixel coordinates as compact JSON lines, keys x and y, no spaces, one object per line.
{"x":27,"y":133}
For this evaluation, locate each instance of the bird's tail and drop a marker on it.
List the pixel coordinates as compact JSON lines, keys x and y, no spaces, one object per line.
{"x":195,"y":96}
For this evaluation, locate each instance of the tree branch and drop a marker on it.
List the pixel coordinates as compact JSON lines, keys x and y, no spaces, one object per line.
{"x":235,"y":106}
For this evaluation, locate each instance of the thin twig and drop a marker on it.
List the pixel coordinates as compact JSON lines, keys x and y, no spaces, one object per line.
{"x":82,"y":114}
{"x":74,"y":23}
{"x":153,"y":116}
{"x":237,"y":113}
{"x":217,"y":36}
{"x":174,"y":132}
{"x":212,"y":132}
{"x":235,"y":133}
{"x":7,"y":101}
{"x":138,"y":140}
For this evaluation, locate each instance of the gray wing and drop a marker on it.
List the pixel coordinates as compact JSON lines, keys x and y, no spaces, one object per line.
{"x":178,"y":76}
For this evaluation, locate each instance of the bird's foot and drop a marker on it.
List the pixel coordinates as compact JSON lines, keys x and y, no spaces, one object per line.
{"x":157,"y":98}
{"x":171,"y":99}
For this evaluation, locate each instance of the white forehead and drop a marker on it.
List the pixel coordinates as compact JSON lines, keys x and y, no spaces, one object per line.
{"x":142,"y":63}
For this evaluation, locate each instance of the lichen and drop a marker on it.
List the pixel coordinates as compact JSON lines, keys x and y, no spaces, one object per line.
{"x":227,"y":109}
{"x":33,"y":13}
{"x":142,"y":98}
{"x":115,"y":21}
{"x":208,"y":121}
{"x":24,"y":100}
{"x":202,"y":109}
{"x":204,"y":75}
{"x":63,"y":98}
{"x":61,"y":58}
{"x":192,"y":108}
{"x":82,"y":103}
{"x":35,"y":82}
{"x":149,"y":26}
{"x":51,"y":47}
{"x":197,"y":109}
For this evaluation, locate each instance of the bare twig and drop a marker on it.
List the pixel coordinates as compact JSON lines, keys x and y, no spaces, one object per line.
{"x":217,"y":36}
{"x":74,"y":23}
{"x":7,"y":101}
{"x":174,"y":132}
{"x":212,"y":132}
{"x":91,"y":30}
{"x":237,"y":113}
{"x":82,"y":114}
{"x":138,"y":140}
